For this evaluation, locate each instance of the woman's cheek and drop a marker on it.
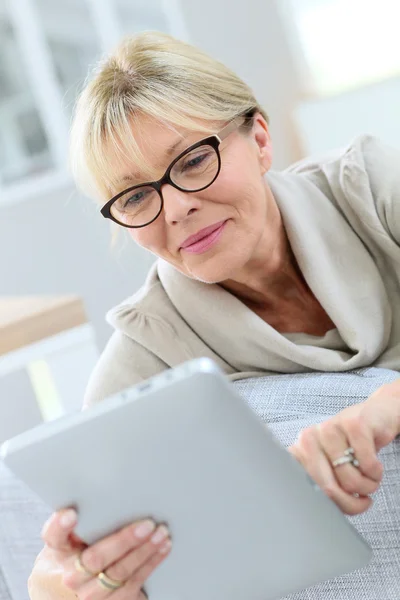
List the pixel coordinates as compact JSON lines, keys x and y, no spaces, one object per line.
{"x":151,"y":238}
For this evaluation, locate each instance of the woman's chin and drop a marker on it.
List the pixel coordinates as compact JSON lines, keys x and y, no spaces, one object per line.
{"x":212,"y":271}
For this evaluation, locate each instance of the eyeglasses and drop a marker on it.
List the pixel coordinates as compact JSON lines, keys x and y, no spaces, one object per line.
{"x":193,"y":170}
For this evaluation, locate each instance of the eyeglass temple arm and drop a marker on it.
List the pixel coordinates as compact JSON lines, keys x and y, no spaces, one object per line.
{"x":229,"y":128}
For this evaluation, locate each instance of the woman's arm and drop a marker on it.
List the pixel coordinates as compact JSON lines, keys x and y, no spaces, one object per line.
{"x":382,"y":163}
{"x":123,"y":363}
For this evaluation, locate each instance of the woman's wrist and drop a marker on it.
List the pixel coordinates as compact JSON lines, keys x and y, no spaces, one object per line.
{"x":389,"y":395}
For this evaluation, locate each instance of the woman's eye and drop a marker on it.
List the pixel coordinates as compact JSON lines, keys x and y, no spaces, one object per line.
{"x":194,"y":162}
{"x":134,"y":199}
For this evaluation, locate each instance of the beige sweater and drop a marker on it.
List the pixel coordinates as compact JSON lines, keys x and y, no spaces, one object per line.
{"x":342,"y":217}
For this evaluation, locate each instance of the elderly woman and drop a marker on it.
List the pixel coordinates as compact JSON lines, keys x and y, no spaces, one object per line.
{"x":262,"y":271}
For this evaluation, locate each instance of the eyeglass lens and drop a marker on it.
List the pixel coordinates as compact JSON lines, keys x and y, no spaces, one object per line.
{"x":194,"y":171}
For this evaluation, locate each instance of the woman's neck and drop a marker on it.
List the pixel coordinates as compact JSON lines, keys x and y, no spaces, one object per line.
{"x":270,"y":275}
{"x":273,"y":286}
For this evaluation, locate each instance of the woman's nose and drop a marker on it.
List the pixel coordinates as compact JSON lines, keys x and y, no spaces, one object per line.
{"x":178,"y":205}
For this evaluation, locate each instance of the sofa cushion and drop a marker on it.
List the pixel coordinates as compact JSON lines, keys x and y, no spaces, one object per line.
{"x":22,"y":515}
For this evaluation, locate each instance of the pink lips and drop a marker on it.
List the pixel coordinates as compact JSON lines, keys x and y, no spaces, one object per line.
{"x":203,"y":239}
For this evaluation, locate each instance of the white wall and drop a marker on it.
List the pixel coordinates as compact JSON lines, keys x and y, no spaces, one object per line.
{"x":59,"y":244}
{"x":331,"y":122}
{"x":251,"y":38}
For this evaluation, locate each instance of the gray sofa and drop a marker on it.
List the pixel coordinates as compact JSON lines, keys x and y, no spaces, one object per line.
{"x":288,"y":403}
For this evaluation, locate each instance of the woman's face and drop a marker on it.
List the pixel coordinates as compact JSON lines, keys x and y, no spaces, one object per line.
{"x":238,"y":202}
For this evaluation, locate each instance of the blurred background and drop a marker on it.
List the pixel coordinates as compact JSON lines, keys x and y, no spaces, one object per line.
{"x":325,"y":70}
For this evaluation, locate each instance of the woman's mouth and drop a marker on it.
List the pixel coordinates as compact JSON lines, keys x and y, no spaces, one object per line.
{"x":204,"y":243}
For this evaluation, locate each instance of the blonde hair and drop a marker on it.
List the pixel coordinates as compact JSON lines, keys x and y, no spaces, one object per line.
{"x":154,"y":74}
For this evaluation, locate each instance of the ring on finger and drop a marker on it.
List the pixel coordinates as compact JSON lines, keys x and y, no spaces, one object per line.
{"x":108,"y":583}
{"x":350,"y":452}
{"x":79,"y":566}
{"x":348,"y":457}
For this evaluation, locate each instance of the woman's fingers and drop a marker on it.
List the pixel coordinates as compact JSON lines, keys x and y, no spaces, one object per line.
{"x":359,"y":433}
{"x":352,"y":479}
{"x":132,"y":562}
{"x":128,"y":556}
{"x":58,"y":528}
{"x":140,"y":563}
{"x":111,"y":549}
{"x":119,"y":555}
{"x":131,"y":589}
{"x":311,"y":455}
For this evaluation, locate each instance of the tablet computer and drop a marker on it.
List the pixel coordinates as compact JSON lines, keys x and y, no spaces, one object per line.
{"x":246,"y":520}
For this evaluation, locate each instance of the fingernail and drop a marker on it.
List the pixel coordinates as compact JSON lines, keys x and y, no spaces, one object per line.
{"x":145,"y":528}
{"x":165,"y":547}
{"x":68,"y":519}
{"x":160,"y":534}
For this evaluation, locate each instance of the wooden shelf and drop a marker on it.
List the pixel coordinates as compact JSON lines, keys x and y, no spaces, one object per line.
{"x":29,"y":319}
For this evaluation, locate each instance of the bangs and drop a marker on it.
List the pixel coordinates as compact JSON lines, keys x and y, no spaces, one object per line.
{"x":112,"y":142}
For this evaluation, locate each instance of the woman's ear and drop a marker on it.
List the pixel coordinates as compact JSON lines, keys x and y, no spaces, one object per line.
{"x":262,"y":138}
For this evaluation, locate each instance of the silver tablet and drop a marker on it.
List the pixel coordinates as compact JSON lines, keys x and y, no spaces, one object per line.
{"x":246,"y":521}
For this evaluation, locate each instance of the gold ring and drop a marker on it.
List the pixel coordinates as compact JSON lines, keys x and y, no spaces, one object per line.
{"x":81,"y":568}
{"x":108,"y":583}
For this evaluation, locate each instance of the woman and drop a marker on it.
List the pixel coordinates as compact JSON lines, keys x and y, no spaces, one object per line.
{"x":261,"y":271}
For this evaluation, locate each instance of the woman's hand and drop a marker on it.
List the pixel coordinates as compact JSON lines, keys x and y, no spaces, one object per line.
{"x":366,"y":427}
{"x":128,"y":556}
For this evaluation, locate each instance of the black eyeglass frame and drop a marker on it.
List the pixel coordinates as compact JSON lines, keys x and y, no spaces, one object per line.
{"x":214,"y":141}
